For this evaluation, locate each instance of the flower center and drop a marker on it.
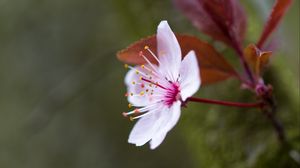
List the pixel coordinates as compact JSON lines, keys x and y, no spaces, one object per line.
{"x":153,"y":87}
{"x":172,"y":94}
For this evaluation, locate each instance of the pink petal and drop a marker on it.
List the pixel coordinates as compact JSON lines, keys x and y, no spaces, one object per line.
{"x":168,"y":50}
{"x":189,"y":75}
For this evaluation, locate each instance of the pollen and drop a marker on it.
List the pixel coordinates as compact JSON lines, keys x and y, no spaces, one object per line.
{"x":146,"y":47}
{"x":143,"y":66}
{"x":131,"y":118}
{"x":129,"y":105}
{"x":142,"y":93}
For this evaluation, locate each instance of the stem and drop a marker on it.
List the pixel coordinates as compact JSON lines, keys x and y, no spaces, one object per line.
{"x":277,"y":126}
{"x":265,"y":93}
{"x":240,"y":53}
{"x":224,"y":103}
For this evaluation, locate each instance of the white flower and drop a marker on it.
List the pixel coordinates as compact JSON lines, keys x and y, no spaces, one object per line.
{"x":157,"y":91}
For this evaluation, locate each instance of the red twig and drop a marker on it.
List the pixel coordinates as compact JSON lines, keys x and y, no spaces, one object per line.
{"x":224,"y":103}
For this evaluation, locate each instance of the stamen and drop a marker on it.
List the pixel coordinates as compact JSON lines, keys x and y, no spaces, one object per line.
{"x":129,"y":105}
{"x":161,"y":53}
{"x":125,"y":66}
{"x":146,"y":59}
{"x":147,"y":48}
{"x":131,"y":118}
{"x":151,"y":71}
{"x":155,"y":83}
{"x":140,"y":110}
{"x":135,"y":111}
{"x":137,"y":117}
{"x":137,"y":71}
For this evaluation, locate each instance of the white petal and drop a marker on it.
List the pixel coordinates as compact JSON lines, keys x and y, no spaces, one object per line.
{"x":168,"y":51}
{"x":144,"y":129}
{"x":157,"y":140}
{"x":175,"y":112}
{"x":148,"y":126}
{"x":171,"y":118}
{"x":189,"y":75}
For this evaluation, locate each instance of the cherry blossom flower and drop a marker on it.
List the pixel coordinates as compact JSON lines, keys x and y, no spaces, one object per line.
{"x":156,"y":92}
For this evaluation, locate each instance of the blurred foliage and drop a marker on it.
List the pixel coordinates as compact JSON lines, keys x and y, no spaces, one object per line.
{"x":62,"y":90}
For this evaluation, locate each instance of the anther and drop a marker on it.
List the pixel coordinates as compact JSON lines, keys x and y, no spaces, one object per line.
{"x":129,"y":105}
{"x":142,"y":93}
{"x":131,"y":118}
{"x":146,"y":47}
{"x":141,"y":53}
{"x":143,"y":66}
{"x":124,"y":114}
{"x":133,"y":82}
{"x":125,"y":66}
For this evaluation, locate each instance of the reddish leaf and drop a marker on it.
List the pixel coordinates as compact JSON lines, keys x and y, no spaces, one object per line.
{"x":214,"y":67}
{"x":277,"y":13}
{"x":256,"y":59}
{"x":223,"y":20}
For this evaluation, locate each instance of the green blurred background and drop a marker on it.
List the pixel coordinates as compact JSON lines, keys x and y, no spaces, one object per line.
{"x":61,"y":90}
